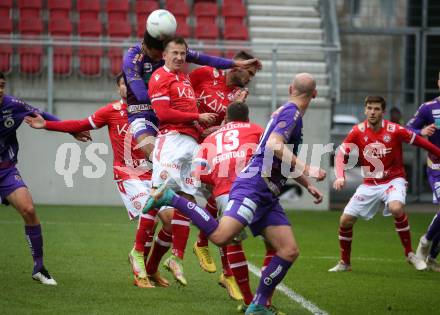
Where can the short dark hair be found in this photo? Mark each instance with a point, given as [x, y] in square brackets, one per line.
[152, 42]
[2, 76]
[118, 78]
[242, 55]
[375, 99]
[237, 111]
[176, 40]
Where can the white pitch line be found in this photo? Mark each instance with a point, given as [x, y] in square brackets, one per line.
[312, 308]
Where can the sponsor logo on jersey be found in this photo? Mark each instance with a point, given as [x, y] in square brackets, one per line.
[365, 138]
[391, 127]
[157, 77]
[191, 205]
[376, 150]
[221, 95]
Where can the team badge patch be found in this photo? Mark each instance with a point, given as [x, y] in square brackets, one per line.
[164, 175]
[9, 122]
[137, 205]
[386, 138]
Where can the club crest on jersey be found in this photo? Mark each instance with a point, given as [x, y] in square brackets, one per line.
[157, 76]
[137, 205]
[387, 138]
[163, 175]
[148, 67]
[9, 122]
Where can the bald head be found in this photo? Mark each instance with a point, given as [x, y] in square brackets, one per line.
[303, 85]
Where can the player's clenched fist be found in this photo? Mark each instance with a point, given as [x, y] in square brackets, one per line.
[339, 183]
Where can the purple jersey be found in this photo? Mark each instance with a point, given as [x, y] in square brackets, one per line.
[137, 69]
[13, 111]
[428, 113]
[287, 122]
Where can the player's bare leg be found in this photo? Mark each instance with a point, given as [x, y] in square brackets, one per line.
[346, 223]
[402, 228]
[21, 200]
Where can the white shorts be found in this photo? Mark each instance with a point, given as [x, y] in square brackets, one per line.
[367, 198]
[172, 159]
[134, 193]
[222, 202]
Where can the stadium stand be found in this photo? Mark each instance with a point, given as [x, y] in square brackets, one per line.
[90, 57]
[30, 9]
[88, 9]
[30, 56]
[5, 8]
[61, 28]
[5, 49]
[59, 9]
[117, 10]
[205, 13]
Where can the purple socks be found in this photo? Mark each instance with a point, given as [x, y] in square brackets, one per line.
[35, 240]
[199, 217]
[270, 278]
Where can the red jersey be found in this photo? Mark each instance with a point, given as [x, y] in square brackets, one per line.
[114, 116]
[226, 152]
[173, 100]
[380, 153]
[212, 93]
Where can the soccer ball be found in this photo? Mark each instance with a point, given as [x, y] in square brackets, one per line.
[161, 24]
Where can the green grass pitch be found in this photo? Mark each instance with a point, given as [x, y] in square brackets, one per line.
[86, 251]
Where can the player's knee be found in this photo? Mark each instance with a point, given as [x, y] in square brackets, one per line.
[346, 221]
[28, 213]
[290, 253]
[396, 209]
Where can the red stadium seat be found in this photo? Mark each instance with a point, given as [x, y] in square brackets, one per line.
[178, 7]
[5, 8]
[234, 14]
[206, 31]
[119, 29]
[115, 56]
[88, 9]
[5, 25]
[30, 26]
[60, 27]
[235, 32]
[143, 8]
[62, 60]
[90, 61]
[59, 9]
[233, 2]
[5, 58]
[205, 12]
[62, 55]
[117, 10]
[183, 29]
[30, 59]
[140, 29]
[30, 8]
[89, 28]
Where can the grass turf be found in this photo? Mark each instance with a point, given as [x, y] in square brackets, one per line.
[86, 251]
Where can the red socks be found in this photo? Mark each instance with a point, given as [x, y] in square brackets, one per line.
[161, 246]
[180, 227]
[239, 267]
[145, 230]
[224, 258]
[345, 238]
[402, 228]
